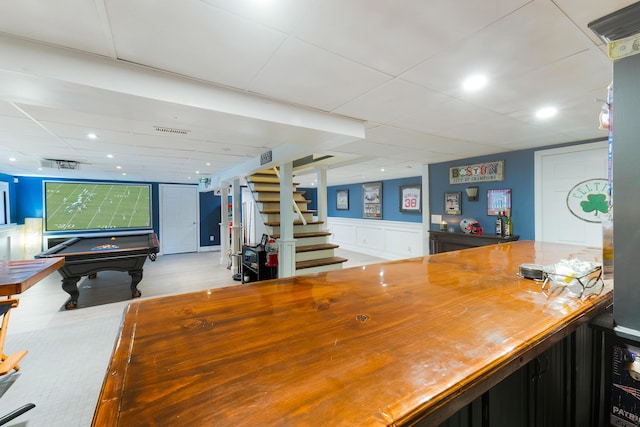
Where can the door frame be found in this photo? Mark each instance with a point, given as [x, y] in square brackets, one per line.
[161, 224]
[537, 180]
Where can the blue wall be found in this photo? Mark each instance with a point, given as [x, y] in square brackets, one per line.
[209, 218]
[311, 194]
[390, 201]
[518, 176]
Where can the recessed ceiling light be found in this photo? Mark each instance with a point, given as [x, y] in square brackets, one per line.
[92, 136]
[474, 82]
[12, 159]
[39, 169]
[118, 167]
[208, 163]
[381, 169]
[124, 174]
[110, 156]
[546, 112]
[198, 172]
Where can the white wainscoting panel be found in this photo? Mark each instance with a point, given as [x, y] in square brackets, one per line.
[384, 239]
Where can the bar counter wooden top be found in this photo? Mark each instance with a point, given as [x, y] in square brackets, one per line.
[18, 276]
[383, 344]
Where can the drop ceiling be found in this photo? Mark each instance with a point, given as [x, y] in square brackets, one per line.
[375, 84]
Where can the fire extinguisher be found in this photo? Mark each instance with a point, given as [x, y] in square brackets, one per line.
[272, 251]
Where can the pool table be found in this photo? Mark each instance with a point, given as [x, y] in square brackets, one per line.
[86, 256]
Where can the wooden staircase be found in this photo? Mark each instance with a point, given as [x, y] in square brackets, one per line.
[313, 251]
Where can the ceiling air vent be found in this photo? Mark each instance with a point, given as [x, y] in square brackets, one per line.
[171, 130]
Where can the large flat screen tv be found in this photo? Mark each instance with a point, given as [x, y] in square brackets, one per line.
[81, 206]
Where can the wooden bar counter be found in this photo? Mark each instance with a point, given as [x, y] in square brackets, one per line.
[393, 343]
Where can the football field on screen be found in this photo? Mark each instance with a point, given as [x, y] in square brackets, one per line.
[90, 206]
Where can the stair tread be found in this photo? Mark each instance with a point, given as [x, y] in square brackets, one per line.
[296, 222]
[308, 234]
[320, 262]
[276, 190]
[278, 201]
[265, 179]
[311, 248]
[277, 211]
[269, 171]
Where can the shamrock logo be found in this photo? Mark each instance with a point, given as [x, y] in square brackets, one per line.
[595, 202]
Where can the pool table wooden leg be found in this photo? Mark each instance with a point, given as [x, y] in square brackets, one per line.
[136, 277]
[70, 286]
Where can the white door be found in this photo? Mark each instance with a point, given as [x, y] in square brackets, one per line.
[564, 176]
[179, 219]
[5, 214]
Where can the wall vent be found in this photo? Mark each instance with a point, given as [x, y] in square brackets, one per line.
[171, 130]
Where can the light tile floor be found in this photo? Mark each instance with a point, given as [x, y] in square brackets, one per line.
[69, 350]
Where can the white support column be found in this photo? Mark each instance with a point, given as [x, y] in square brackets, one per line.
[236, 230]
[322, 194]
[426, 213]
[225, 243]
[286, 243]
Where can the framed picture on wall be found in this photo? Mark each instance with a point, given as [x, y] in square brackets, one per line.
[453, 203]
[411, 198]
[372, 200]
[342, 200]
[498, 201]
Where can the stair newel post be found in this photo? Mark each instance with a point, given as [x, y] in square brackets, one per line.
[322, 194]
[286, 243]
[236, 229]
[225, 242]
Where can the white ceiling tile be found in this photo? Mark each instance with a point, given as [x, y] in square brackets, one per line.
[395, 36]
[283, 15]
[192, 38]
[553, 84]
[77, 24]
[511, 47]
[392, 100]
[15, 126]
[307, 75]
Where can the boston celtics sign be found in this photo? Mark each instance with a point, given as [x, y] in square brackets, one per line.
[589, 200]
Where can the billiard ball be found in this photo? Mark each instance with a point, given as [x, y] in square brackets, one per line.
[113, 238]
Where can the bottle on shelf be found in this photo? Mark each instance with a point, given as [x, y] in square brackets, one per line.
[499, 225]
[508, 224]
